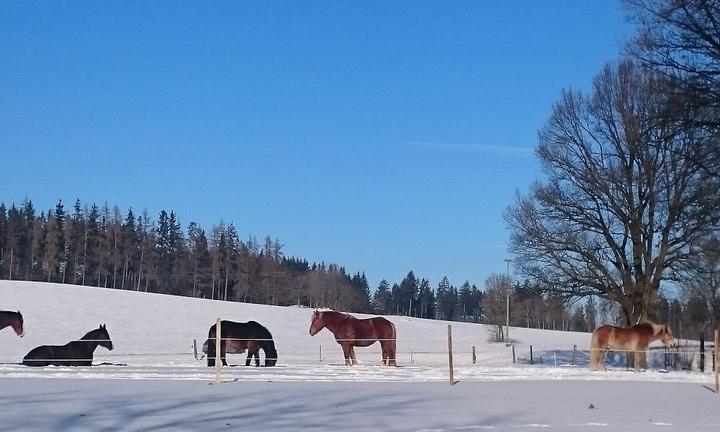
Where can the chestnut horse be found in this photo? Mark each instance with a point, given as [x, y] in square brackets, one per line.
[75, 353]
[14, 319]
[635, 339]
[351, 332]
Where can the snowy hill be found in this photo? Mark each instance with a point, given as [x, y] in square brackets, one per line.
[153, 337]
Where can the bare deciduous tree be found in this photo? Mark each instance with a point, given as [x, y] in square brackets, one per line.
[680, 39]
[623, 200]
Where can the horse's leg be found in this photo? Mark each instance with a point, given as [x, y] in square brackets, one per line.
[392, 353]
[388, 352]
[352, 355]
[596, 354]
[346, 353]
[248, 359]
[223, 352]
[603, 353]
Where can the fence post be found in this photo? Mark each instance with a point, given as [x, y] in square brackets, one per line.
[513, 351]
[702, 352]
[450, 357]
[713, 358]
[218, 353]
[195, 348]
[717, 366]
[474, 357]
[574, 355]
[531, 357]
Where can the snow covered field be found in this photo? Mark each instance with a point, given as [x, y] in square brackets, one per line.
[151, 380]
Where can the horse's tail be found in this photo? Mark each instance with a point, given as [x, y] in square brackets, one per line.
[598, 347]
[391, 351]
[594, 350]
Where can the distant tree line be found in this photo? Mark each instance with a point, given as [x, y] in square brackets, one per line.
[98, 246]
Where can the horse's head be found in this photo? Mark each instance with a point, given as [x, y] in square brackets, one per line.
[666, 336]
[316, 323]
[17, 325]
[103, 337]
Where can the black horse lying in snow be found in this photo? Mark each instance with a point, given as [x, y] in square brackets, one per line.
[75, 353]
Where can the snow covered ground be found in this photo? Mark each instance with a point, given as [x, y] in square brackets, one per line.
[152, 381]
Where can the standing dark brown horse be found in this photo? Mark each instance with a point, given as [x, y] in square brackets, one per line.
[635, 339]
[237, 337]
[351, 332]
[14, 319]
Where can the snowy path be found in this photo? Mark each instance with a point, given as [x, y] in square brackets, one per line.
[116, 405]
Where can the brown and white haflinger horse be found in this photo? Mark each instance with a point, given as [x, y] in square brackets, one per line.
[351, 332]
[635, 339]
[13, 319]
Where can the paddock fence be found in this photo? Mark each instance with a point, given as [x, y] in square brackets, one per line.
[442, 360]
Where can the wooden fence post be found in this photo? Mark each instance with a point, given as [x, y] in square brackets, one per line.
[450, 357]
[702, 352]
[474, 357]
[531, 357]
[195, 348]
[717, 366]
[218, 359]
[574, 355]
[513, 351]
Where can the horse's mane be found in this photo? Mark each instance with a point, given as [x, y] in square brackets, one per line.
[92, 334]
[12, 314]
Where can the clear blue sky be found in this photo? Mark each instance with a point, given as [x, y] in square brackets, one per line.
[384, 136]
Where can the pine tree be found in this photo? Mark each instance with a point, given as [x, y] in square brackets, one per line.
[62, 252]
[426, 300]
[13, 239]
[75, 236]
[52, 249]
[91, 246]
[3, 240]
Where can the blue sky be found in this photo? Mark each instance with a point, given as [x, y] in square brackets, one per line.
[384, 136]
